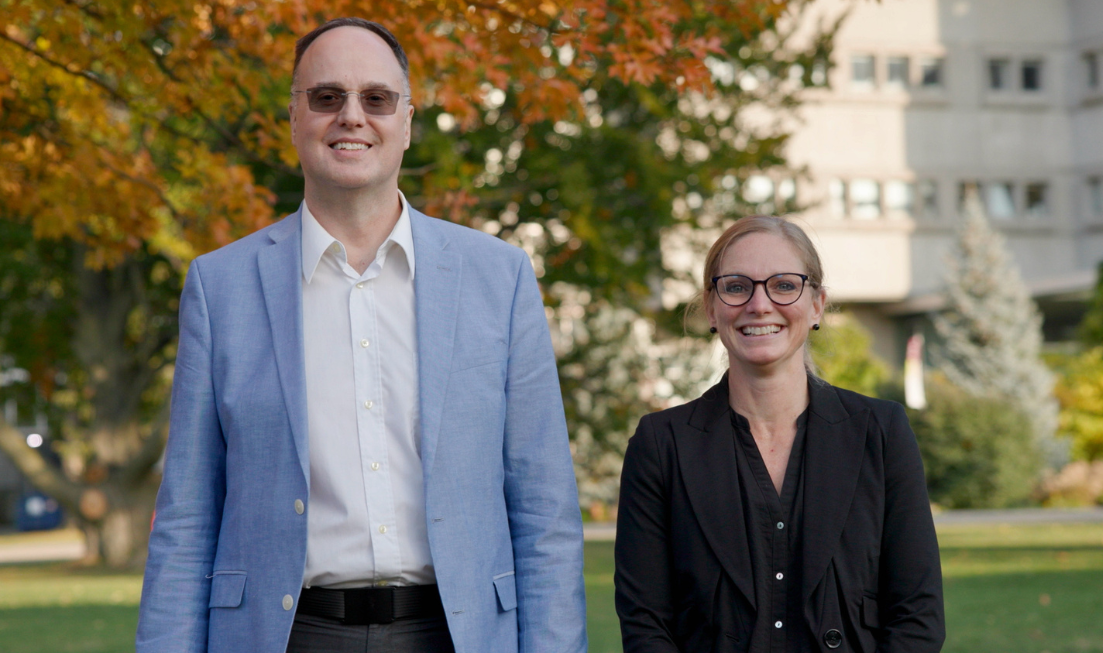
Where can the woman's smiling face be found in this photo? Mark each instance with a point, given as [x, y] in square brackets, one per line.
[760, 335]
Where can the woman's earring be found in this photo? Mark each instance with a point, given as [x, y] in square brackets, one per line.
[713, 329]
[816, 327]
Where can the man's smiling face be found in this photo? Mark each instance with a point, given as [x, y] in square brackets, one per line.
[350, 149]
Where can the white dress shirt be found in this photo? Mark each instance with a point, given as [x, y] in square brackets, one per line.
[366, 519]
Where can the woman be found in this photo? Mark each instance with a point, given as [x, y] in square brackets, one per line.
[776, 512]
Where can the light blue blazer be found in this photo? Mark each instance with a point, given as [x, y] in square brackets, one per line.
[228, 548]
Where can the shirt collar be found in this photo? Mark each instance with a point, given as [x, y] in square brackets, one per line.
[316, 240]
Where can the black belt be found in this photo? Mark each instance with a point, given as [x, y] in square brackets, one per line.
[372, 605]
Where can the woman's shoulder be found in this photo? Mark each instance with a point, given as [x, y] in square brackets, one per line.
[713, 399]
[884, 410]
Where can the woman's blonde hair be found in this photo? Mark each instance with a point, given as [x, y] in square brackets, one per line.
[762, 224]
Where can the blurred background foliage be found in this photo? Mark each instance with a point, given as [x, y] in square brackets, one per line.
[843, 354]
[607, 139]
[612, 141]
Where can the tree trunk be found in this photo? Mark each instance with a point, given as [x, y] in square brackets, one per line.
[124, 530]
[114, 513]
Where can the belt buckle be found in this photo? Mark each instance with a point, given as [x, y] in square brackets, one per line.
[370, 606]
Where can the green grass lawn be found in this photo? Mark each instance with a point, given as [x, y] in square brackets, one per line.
[1008, 589]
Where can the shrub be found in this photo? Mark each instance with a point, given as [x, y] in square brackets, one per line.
[1080, 393]
[844, 356]
[978, 452]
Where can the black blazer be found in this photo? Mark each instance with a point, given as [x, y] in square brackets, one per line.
[871, 569]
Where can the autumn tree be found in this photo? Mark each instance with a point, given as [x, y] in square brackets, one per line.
[134, 137]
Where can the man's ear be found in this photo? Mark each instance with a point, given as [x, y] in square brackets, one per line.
[409, 125]
[291, 116]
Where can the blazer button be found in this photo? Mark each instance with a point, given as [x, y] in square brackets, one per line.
[299, 507]
[288, 602]
[833, 638]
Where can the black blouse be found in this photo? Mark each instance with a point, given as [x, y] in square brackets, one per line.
[773, 525]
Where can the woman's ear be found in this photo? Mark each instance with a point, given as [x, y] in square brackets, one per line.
[819, 302]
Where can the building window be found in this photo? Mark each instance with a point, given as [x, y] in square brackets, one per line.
[836, 191]
[1037, 199]
[999, 200]
[900, 197]
[930, 72]
[861, 70]
[999, 74]
[1095, 196]
[865, 199]
[1091, 68]
[898, 72]
[1032, 75]
[927, 191]
[964, 190]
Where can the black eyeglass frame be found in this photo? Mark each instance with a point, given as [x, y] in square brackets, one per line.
[381, 110]
[754, 286]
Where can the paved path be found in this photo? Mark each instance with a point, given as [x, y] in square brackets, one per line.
[47, 546]
[607, 531]
[1021, 516]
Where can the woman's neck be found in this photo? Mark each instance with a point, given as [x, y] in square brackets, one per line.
[769, 400]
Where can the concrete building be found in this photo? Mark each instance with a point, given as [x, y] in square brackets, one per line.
[926, 97]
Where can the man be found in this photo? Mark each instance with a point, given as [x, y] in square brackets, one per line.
[367, 449]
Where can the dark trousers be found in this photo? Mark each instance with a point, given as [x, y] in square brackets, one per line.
[312, 634]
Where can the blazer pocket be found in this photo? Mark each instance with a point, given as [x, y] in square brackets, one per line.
[464, 365]
[227, 588]
[506, 587]
[871, 618]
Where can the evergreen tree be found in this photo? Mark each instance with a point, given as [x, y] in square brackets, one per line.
[991, 330]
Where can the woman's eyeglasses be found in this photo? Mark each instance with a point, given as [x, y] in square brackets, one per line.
[782, 289]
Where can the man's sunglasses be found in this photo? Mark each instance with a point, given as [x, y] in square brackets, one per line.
[330, 99]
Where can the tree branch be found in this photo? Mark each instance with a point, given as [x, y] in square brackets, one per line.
[502, 11]
[235, 142]
[83, 74]
[420, 171]
[41, 475]
[85, 8]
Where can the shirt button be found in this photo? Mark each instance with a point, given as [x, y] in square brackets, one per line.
[780, 575]
[335, 248]
[382, 529]
[288, 602]
[360, 285]
[777, 624]
[368, 404]
[780, 525]
[375, 467]
[299, 507]
[380, 583]
[364, 342]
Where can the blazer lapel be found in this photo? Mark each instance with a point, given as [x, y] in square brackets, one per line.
[833, 454]
[437, 297]
[706, 458]
[281, 267]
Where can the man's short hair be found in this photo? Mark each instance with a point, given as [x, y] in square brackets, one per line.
[303, 43]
